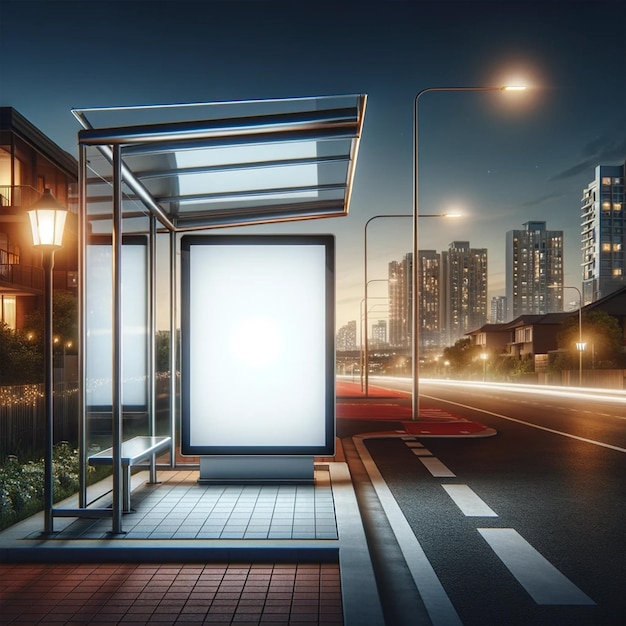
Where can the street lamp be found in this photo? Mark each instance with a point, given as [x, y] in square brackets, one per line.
[484, 356]
[366, 282]
[580, 344]
[47, 221]
[415, 281]
[364, 322]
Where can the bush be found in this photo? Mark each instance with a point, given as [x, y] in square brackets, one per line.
[21, 485]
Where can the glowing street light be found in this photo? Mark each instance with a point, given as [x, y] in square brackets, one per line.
[47, 221]
[415, 278]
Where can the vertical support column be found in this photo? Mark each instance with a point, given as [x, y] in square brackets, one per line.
[415, 317]
[173, 345]
[116, 400]
[82, 256]
[48, 491]
[152, 340]
[364, 322]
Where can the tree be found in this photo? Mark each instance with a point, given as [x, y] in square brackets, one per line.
[64, 321]
[21, 360]
[603, 338]
[463, 358]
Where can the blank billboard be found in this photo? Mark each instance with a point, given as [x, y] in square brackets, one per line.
[257, 373]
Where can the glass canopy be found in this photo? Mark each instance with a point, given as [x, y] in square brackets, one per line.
[208, 165]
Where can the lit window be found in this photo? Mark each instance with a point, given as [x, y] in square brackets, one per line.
[617, 206]
[606, 247]
[606, 180]
[617, 271]
[9, 311]
[606, 205]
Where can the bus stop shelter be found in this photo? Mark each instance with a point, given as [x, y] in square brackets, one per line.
[147, 176]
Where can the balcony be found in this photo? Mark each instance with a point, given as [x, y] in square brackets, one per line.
[18, 196]
[22, 196]
[20, 278]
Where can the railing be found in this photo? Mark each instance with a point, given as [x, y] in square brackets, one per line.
[18, 195]
[22, 418]
[22, 275]
[23, 196]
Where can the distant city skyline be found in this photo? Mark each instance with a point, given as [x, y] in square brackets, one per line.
[501, 158]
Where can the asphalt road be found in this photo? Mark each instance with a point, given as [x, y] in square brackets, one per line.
[527, 527]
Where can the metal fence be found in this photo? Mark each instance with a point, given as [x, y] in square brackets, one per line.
[22, 418]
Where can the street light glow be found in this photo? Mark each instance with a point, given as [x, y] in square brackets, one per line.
[513, 88]
[47, 221]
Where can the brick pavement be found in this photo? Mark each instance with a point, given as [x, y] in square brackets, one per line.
[139, 594]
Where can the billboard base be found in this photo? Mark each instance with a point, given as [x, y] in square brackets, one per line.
[256, 469]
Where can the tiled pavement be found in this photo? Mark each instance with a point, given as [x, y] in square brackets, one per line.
[180, 508]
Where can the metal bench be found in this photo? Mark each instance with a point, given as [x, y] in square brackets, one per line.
[133, 452]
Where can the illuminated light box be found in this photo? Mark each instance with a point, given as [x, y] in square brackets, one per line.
[258, 356]
[99, 323]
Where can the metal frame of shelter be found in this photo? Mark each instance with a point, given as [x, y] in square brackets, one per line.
[190, 167]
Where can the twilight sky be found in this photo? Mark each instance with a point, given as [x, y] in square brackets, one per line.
[500, 158]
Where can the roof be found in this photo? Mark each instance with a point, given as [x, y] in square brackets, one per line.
[208, 165]
[524, 320]
[12, 121]
[547, 318]
[613, 304]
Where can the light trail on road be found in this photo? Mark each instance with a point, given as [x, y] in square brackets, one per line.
[525, 423]
[589, 395]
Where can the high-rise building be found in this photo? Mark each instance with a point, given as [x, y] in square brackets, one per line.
[399, 274]
[401, 300]
[452, 295]
[429, 281]
[534, 270]
[604, 233]
[346, 337]
[464, 288]
[379, 333]
[498, 310]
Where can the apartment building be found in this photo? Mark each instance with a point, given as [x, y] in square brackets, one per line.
[464, 289]
[30, 163]
[534, 270]
[603, 233]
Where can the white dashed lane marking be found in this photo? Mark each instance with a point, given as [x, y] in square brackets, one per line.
[421, 452]
[431, 463]
[543, 582]
[436, 467]
[470, 504]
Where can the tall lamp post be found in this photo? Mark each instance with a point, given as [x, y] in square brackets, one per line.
[367, 282]
[47, 221]
[364, 341]
[415, 278]
[483, 357]
[580, 344]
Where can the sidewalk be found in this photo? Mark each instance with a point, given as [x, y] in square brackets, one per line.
[220, 554]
